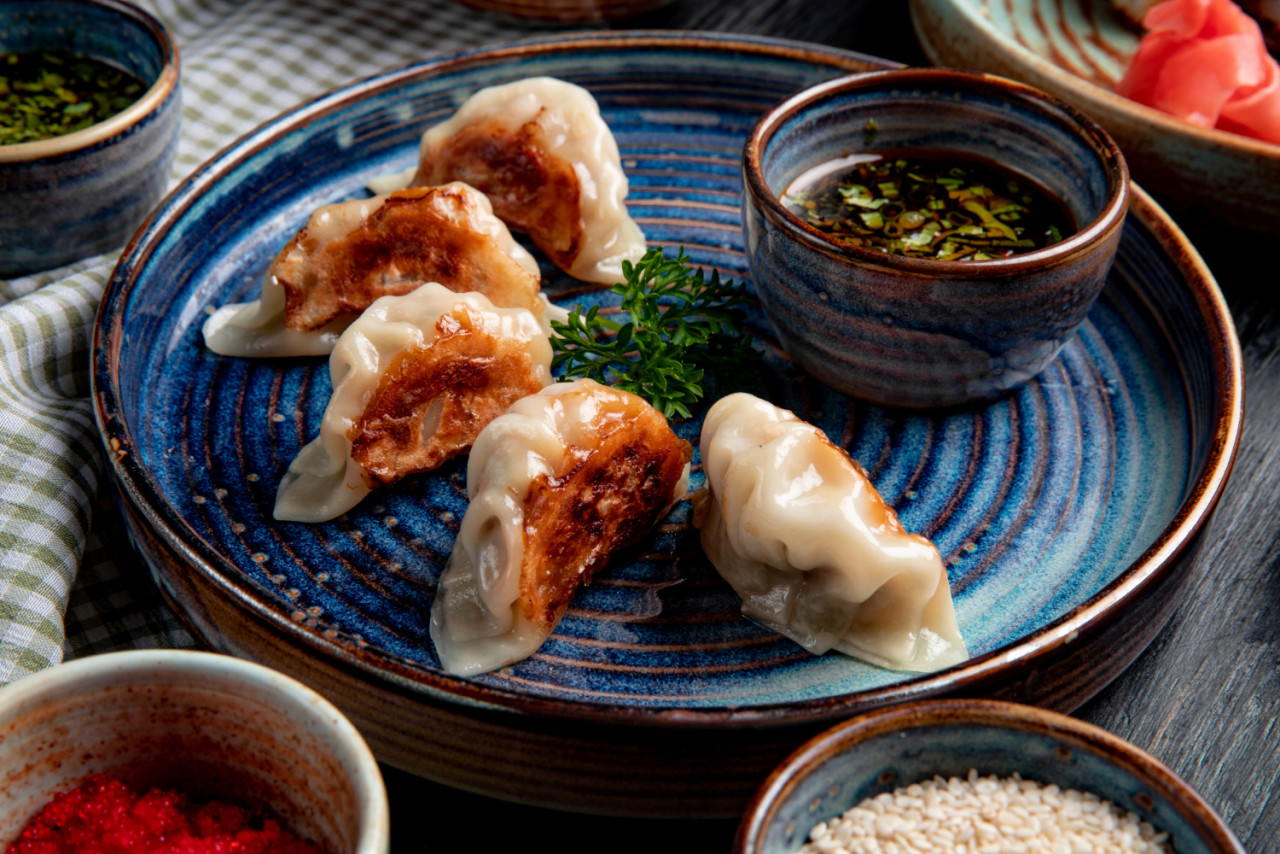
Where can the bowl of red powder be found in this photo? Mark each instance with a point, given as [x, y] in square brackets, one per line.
[163, 751]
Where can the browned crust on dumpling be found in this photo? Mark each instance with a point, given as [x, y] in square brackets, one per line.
[467, 375]
[612, 495]
[879, 515]
[418, 235]
[530, 189]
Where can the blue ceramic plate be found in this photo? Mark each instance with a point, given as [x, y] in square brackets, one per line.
[1056, 510]
[1078, 50]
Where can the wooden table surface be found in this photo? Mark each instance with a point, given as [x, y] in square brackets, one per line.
[1204, 698]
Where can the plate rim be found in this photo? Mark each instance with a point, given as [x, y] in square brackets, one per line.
[1093, 615]
[1087, 89]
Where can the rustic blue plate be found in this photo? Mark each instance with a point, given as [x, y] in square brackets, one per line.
[1059, 511]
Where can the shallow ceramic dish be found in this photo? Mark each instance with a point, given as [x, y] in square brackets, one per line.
[77, 195]
[888, 749]
[1078, 49]
[212, 726]
[917, 331]
[1062, 511]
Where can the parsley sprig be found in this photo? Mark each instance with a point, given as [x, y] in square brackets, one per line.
[682, 328]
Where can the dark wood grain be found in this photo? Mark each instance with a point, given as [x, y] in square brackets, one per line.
[1204, 698]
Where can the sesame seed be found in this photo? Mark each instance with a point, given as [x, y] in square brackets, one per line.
[976, 814]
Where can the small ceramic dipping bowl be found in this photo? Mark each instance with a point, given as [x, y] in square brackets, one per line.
[922, 332]
[209, 725]
[69, 197]
[892, 748]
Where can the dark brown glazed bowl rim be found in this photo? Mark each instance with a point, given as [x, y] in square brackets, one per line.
[139, 488]
[151, 101]
[924, 714]
[1111, 159]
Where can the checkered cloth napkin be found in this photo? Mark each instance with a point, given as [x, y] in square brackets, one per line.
[69, 584]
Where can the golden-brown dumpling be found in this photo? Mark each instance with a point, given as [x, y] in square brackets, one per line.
[415, 379]
[549, 164]
[351, 253]
[557, 484]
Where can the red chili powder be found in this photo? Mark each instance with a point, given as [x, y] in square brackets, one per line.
[103, 816]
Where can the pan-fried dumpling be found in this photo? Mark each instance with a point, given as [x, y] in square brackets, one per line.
[541, 152]
[796, 528]
[351, 253]
[557, 484]
[415, 379]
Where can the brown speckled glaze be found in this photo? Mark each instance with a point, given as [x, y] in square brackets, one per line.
[208, 725]
[884, 750]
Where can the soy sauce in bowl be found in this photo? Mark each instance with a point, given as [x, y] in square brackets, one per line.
[928, 204]
[933, 329]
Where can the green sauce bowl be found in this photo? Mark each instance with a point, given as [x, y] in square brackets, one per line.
[84, 193]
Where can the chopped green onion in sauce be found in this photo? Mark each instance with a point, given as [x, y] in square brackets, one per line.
[50, 93]
[926, 204]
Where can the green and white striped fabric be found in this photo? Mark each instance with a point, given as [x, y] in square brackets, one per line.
[243, 62]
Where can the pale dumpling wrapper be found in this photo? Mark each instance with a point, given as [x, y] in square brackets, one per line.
[561, 123]
[796, 528]
[260, 328]
[325, 480]
[483, 617]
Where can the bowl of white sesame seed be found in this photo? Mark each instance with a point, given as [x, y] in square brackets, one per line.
[972, 776]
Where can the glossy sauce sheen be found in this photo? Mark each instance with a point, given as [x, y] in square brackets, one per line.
[928, 204]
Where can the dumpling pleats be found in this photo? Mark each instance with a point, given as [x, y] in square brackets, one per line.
[540, 150]
[796, 528]
[351, 253]
[557, 485]
[415, 380]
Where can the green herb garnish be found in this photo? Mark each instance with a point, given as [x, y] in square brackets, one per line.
[939, 206]
[682, 328]
[50, 93]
